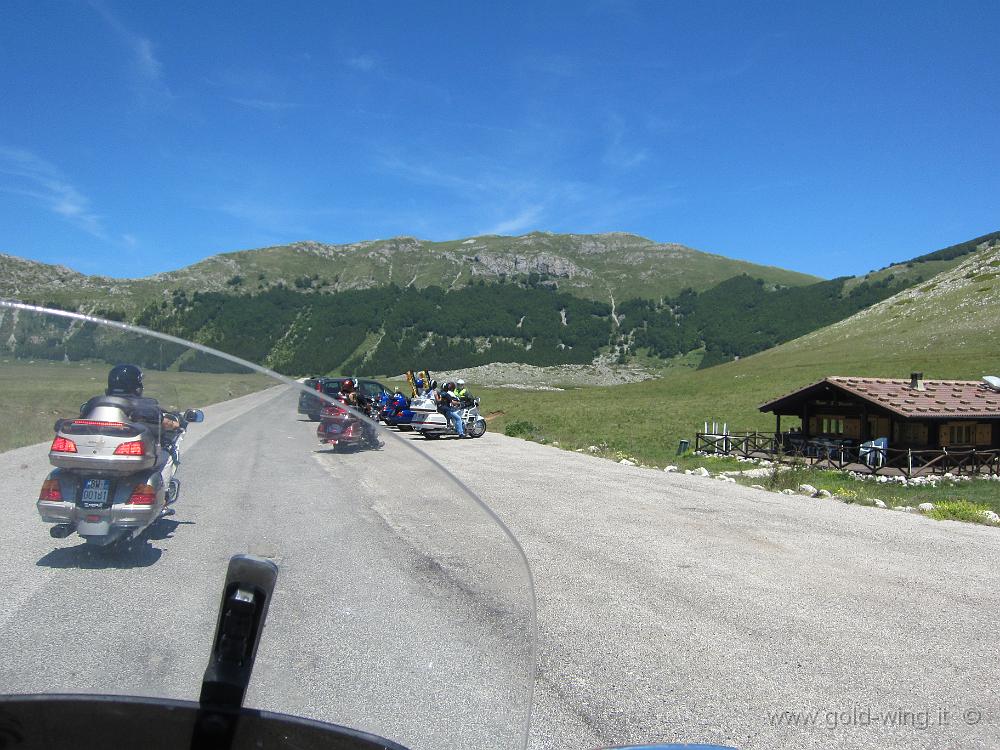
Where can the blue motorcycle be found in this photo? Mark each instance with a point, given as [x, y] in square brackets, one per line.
[396, 412]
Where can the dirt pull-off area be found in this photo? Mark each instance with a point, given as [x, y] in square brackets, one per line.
[531, 377]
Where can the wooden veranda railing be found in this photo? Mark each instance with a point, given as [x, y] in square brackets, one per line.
[827, 454]
[745, 444]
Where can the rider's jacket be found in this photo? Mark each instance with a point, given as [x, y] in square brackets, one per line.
[141, 408]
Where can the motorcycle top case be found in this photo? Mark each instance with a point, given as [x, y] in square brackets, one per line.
[103, 442]
[421, 404]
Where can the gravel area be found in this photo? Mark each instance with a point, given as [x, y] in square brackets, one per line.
[681, 608]
[602, 371]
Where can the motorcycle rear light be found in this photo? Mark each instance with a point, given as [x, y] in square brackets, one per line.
[144, 494]
[132, 448]
[50, 491]
[93, 423]
[93, 518]
[63, 445]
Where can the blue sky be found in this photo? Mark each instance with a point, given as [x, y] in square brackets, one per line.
[830, 138]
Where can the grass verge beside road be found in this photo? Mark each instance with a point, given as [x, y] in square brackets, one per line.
[33, 395]
[955, 500]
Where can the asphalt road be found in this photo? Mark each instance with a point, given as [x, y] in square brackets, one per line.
[383, 618]
[677, 608]
[669, 607]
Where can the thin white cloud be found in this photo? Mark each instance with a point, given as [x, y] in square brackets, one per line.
[264, 105]
[526, 219]
[520, 200]
[264, 215]
[557, 66]
[364, 63]
[23, 173]
[427, 174]
[146, 66]
[618, 153]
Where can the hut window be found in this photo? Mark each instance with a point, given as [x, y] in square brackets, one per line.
[832, 425]
[962, 434]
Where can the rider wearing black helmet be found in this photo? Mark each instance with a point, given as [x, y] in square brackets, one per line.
[126, 381]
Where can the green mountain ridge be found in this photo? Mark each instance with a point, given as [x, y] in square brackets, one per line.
[531, 319]
[606, 267]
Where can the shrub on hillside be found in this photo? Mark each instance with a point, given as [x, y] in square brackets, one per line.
[958, 510]
[787, 476]
[521, 428]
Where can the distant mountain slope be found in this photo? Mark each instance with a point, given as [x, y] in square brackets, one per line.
[945, 328]
[388, 329]
[950, 321]
[599, 267]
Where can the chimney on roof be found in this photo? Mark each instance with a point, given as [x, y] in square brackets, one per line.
[917, 381]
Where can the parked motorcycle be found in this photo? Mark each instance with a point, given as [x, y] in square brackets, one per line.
[341, 427]
[432, 423]
[113, 478]
[397, 413]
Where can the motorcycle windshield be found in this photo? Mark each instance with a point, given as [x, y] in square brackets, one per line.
[403, 606]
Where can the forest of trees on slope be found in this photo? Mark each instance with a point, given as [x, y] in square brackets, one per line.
[387, 330]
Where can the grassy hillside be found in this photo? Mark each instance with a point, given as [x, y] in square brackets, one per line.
[33, 396]
[925, 266]
[944, 328]
[591, 266]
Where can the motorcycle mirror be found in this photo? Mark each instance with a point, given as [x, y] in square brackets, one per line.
[245, 600]
[194, 415]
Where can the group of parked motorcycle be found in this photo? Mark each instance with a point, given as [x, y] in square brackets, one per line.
[424, 411]
[343, 427]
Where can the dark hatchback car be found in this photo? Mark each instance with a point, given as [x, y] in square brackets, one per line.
[311, 405]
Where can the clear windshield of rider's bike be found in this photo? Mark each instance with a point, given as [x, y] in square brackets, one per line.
[402, 607]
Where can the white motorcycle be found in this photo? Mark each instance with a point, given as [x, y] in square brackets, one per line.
[432, 423]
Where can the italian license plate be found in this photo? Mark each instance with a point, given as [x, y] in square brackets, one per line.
[95, 491]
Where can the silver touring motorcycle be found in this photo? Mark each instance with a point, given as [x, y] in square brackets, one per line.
[293, 598]
[115, 475]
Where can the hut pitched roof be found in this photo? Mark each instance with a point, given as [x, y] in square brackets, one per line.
[936, 399]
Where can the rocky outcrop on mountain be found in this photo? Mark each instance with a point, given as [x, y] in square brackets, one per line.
[495, 264]
[18, 272]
